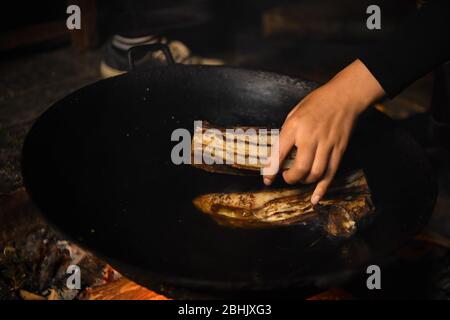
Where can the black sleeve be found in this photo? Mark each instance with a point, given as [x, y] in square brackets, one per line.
[416, 48]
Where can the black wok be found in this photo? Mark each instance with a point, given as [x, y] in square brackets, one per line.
[98, 165]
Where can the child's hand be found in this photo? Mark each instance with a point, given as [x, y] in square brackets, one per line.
[321, 124]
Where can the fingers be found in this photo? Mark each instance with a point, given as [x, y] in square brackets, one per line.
[322, 185]
[302, 165]
[319, 166]
[285, 143]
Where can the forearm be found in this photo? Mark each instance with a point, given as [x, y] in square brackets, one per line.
[356, 86]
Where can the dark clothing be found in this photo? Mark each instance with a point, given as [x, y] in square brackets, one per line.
[416, 48]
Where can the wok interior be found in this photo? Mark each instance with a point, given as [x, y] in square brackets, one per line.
[98, 166]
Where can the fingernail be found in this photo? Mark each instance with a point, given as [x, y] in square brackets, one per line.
[315, 199]
[267, 181]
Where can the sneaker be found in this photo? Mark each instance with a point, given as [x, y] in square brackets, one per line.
[115, 55]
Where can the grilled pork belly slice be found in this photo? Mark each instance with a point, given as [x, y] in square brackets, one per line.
[243, 148]
[347, 202]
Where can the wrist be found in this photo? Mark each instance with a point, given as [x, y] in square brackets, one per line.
[357, 86]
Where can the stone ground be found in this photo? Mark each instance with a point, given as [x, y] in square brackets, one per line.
[28, 86]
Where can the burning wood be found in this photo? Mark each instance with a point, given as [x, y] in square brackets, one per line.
[34, 259]
[121, 289]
